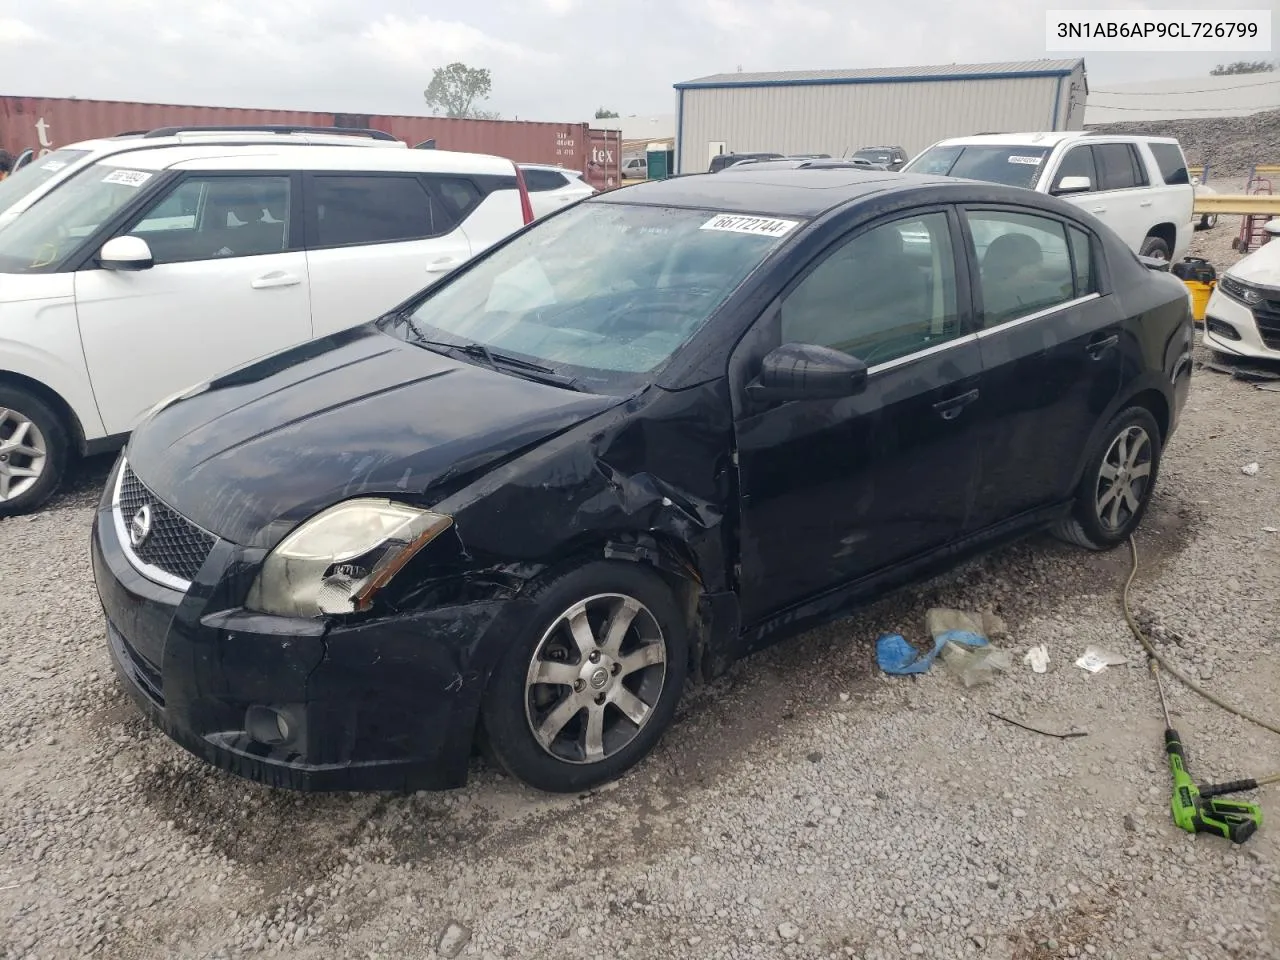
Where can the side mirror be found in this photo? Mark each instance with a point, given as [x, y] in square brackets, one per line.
[126, 253]
[805, 371]
[1073, 185]
[1272, 226]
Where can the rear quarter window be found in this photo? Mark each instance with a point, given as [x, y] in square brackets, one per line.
[1172, 164]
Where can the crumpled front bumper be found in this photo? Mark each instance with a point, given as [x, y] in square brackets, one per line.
[385, 704]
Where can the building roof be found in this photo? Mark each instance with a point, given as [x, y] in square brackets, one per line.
[949, 71]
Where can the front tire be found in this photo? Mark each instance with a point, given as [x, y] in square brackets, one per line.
[1117, 484]
[590, 685]
[33, 451]
[1155, 247]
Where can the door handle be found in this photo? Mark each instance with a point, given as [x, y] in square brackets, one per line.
[442, 265]
[277, 278]
[1145, 203]
[952, 408]
[1101, 345]
[1099, 210]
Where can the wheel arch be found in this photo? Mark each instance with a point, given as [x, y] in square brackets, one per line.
[64, 410]
[1167, 232]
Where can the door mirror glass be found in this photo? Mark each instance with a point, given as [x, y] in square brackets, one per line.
[806, 371]
[1074, 185]
[126, 253]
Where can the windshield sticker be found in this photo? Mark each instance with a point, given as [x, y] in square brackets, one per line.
[53, 165]
[130, 178]
[1033, 161]
[758, 226]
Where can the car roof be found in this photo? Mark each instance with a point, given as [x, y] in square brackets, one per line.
[796, 163]
[788, 193]
[1042, 138]
[282, 156]
[130, 142]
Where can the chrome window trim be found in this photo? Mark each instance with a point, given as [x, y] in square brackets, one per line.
[975, 337]
[1037, 315]
[122, 535]
[921, 354]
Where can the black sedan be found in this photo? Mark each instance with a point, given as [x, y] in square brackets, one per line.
[639, 439]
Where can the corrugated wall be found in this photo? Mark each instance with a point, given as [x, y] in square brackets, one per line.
[837, 118]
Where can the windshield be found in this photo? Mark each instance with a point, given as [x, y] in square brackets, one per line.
[14, 188]
[53, 228]
[604, 293]
[1014, 166]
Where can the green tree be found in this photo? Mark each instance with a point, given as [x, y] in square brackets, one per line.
[604, 113]
[1242, 66]
[456, 89]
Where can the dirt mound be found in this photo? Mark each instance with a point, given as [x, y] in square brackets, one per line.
[1228, 145]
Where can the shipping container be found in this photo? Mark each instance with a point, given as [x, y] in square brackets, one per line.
[45, 123]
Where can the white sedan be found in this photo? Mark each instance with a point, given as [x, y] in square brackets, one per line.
[551, 188]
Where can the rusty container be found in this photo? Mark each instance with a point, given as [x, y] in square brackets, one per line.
[604, 159]
[46, 123]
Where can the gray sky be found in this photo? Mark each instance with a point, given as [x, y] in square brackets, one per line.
[550, 59]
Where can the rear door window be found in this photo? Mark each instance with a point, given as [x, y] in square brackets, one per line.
[1023, 264]
[346, 210]
[1119, 167]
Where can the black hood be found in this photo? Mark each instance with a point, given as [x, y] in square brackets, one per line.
[357, 413]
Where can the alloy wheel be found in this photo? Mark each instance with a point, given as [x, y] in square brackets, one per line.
[595, 678]
[1123, 478]
[23, 452]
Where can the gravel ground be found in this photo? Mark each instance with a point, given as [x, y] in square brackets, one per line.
[803, 806]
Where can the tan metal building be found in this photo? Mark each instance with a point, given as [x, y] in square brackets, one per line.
[838, 111]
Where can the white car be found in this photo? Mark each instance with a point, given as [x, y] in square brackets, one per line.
[43, 174]
[1138, 186]
[551, 188]
[1242, 318]
[151, 271]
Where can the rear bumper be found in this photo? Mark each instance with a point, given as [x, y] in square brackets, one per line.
[387, 704]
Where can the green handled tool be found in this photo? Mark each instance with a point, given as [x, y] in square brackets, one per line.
[1192, 810]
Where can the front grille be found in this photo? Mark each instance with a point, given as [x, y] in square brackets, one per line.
[174, 545]
[1267, 316]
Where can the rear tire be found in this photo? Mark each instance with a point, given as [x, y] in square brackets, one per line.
[598, 699]
[1208, 221]
[33, 451]
[1155, 247]
[1117, 484]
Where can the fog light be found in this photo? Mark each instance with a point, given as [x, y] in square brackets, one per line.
[1220, 328]
[267, 725]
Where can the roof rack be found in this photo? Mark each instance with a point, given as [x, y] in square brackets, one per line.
[264, 128]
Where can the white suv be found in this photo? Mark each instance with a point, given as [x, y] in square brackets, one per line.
[44, 174]
[151, 271]
[1138, 186]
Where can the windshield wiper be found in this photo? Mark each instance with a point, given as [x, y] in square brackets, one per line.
[498, 361]
[405, 317]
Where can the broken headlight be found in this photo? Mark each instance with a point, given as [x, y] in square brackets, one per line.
[339, 559]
